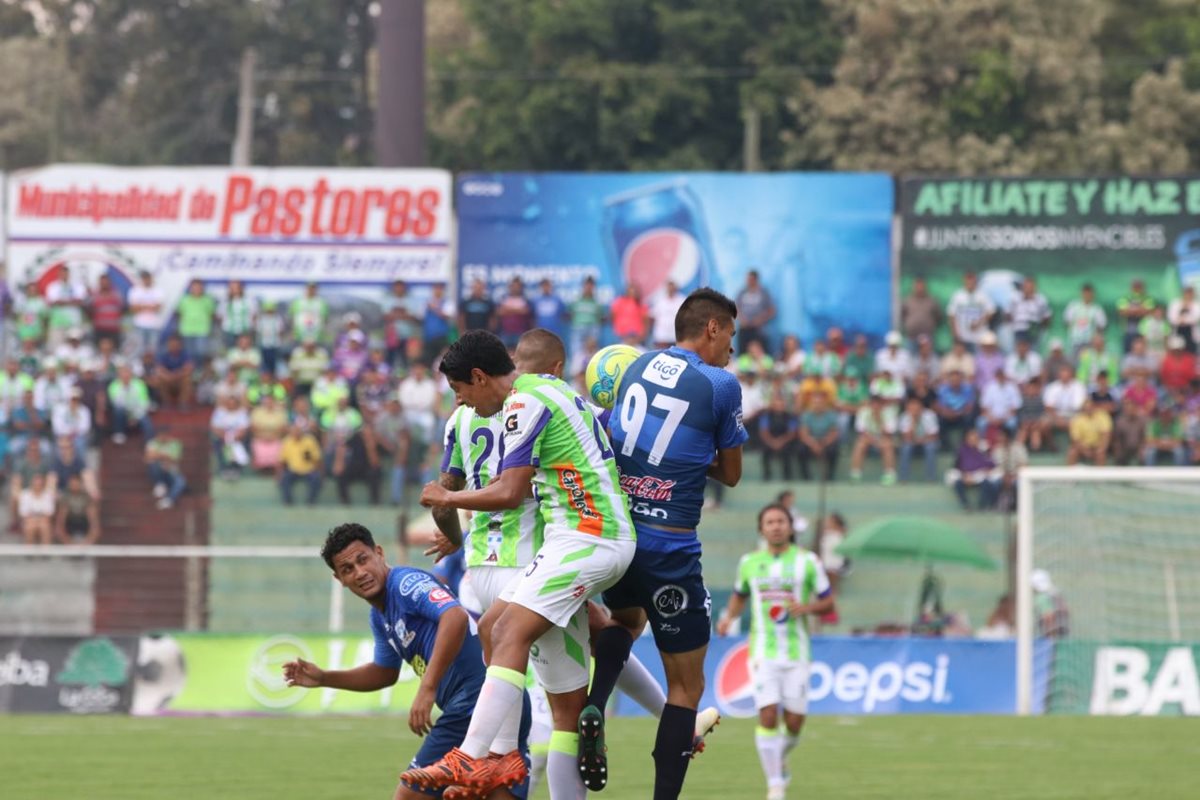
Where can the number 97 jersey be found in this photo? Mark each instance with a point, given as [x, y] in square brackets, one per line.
[673, 412]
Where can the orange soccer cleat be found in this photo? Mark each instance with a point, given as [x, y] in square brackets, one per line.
[456, 768]
[509, 770]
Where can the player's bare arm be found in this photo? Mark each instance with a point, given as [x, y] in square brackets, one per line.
[452, 630]
[822, 605]
[446, 518]
[506, 492]
[364, 678]
[728, 467]
[737, 604]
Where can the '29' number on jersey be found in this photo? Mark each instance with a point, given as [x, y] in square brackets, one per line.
[633, 417]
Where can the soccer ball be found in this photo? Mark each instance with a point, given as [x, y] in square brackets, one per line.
[604, 372]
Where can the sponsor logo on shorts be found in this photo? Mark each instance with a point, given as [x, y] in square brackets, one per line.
[578, 592]
[670, 600]
[666, 627]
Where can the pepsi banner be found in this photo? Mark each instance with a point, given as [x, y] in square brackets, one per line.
[821, 243]
[860, 675]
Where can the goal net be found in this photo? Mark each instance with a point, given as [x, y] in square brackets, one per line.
[1108, 590]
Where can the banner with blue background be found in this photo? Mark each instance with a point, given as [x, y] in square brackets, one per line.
[820, 242]
[856, 675]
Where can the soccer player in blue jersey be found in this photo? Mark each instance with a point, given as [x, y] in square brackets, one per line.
[677, 421]
[414, 619]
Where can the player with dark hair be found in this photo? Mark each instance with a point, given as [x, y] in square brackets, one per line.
[784, 584]
[552, 439]
[500, 546]
[414, 619]
[476, 351]
[677, 421]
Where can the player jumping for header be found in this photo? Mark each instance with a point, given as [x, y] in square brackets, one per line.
[677, 421]
[552, 439]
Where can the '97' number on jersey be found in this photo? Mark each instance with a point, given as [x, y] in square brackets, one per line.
[633, 417]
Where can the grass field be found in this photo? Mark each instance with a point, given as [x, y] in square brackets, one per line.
[330, 758]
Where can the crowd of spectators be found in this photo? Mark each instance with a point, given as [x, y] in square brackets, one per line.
[1122, 388]
[310, 397]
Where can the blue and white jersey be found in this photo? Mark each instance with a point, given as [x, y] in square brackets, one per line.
[406, 630]
[673, 412]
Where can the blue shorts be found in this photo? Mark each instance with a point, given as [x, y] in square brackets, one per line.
[451, 728]
[665, 580]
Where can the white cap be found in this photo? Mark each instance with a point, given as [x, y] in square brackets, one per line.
[987, 337]
[893, 338]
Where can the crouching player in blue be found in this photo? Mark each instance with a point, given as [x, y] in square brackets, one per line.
[414, 619]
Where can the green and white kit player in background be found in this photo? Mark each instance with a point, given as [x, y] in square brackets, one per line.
[501, 544]
[551, 439]
[784, 585]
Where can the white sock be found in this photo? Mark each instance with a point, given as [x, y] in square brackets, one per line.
[506, 739]
[562, 767]
[770, 753]
[537, 767]
[637, 682]
[502, 689]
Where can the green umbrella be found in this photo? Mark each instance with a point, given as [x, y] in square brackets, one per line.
[920, 538]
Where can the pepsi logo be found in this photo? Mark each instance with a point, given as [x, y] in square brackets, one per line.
[734, 684]
[778, 613]
[659, 255]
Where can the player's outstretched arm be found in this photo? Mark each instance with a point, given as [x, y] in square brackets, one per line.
[504, 493]
[728, 467]
[451, 632]
[365, 678]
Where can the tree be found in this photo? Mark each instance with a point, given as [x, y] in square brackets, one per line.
[623, 84]
[966, 86]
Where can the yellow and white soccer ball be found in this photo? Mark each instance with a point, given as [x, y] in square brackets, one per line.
[604, 372]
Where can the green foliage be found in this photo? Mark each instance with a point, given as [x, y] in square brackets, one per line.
[966, 86]
[623, 84]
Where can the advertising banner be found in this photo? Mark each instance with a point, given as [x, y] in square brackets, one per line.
[67, 675]
[1124, 678]
[856, 675]
[200, 673]
[268, 227]
[1063, 231]
[820, 242]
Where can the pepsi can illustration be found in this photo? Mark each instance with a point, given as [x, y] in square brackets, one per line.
[656, 233]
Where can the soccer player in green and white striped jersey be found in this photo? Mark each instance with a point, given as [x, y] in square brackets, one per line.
[500, 545]
[550, 439]
[784, 584]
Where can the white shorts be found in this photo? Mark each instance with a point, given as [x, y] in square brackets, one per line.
[490, 583]
[570, 568]
[467, 597]
[783, 682]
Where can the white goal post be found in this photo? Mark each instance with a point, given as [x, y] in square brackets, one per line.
[1080, 520]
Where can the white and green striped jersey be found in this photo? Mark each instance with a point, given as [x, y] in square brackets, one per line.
[501, 538]
[772, 583]
[548, 426]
